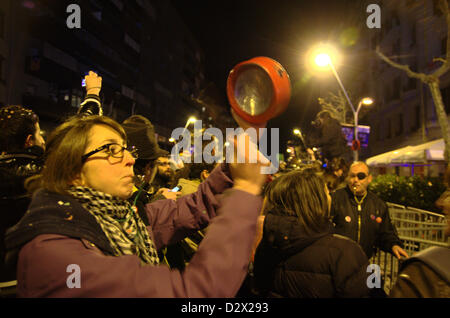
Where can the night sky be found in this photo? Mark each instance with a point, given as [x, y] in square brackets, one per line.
[230, 32]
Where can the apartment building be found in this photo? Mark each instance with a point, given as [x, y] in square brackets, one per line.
[413, 32]
[149, 61]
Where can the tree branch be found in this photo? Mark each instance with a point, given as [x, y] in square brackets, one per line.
[439, 59]
[423, 77]
[444, 68]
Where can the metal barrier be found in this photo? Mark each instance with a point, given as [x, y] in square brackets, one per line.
[418, 229]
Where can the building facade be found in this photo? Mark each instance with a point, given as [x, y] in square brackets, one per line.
[412, 32]
[149, 61]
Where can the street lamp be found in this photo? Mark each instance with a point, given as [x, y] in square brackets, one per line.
[323, 59]
[191, 119]
[364, 101]
[298, 133]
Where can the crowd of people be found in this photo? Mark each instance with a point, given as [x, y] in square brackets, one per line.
[103, 196]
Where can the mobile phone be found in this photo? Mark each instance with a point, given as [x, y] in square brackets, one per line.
[83, 83]
[176, 189]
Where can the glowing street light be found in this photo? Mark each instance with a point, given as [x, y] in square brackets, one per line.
[322, 59]
[191, 119]
[298, 133]
[367, 101]
[364, 101]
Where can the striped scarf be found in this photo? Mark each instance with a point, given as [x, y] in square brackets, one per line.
[124, 229]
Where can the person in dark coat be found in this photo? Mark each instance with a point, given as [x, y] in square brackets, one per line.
[21, 148]
[362, 216]
[21, 157]
[327, 135]
[299, 256]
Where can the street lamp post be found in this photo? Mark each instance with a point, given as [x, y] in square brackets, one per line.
[297, 132]
[364, 101]
[323, 60]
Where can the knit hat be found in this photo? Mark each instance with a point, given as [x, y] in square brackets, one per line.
[141, 134]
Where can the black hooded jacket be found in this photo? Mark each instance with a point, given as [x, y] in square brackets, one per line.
[291, 263]
[375, 228]
[15, 168]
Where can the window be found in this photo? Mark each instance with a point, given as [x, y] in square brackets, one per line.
[387, 93]
[132, 43]
[444, 46]
[388, 25]
[397, 47]
[379, 132]
[413, 34]
[2, 24]
[76, 98]
[118, 4]
[416, 119]
[389, 129]
[395, 19]
[436, 8]
[411, 84]
[396, 88]
[399, 126]
[97, 15]
[30, 89]
[445, 92]
[2, 60]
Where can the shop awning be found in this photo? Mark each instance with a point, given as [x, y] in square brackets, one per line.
[424, 153]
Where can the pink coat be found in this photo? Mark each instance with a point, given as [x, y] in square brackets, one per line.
[216, 270]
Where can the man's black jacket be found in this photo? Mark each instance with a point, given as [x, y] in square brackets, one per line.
[376, 229]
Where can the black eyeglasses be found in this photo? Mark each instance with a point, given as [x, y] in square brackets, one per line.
[360, 175]
[114, 150]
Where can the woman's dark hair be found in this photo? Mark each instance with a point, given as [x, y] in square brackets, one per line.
[16, 124]
[339, 163]
[300, 193]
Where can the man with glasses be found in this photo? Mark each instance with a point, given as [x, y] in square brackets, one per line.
[362, 216]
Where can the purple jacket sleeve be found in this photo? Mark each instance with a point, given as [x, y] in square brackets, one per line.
[171, 221]
[216, 270]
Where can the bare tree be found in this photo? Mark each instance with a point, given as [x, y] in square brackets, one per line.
[339, 108]
[432, 80]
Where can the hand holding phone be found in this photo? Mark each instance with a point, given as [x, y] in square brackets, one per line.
[176, 189]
